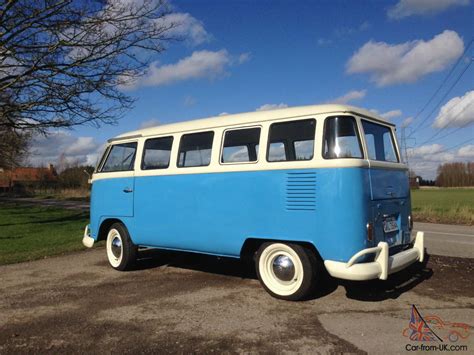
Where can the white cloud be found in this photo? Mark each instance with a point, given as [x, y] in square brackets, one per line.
[61, 145]
[200, 64]
[82, 145]
[425, 160]
[244, 57]
[425, 150]
[406, 62]
[350, 96]
[406, 122]
[391, 114]
[457, 112]
[405, 8]
[223, 114]
[467, 151]
[187, 27]
[150, 123]
[267, 107]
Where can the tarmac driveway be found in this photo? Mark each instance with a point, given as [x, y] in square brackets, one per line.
[182, 303]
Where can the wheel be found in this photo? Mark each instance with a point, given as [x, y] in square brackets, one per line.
[121, 252]
[286, 271]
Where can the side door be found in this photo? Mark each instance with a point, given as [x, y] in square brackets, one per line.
[113, 186]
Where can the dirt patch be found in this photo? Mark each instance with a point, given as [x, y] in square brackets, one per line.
[451, 278]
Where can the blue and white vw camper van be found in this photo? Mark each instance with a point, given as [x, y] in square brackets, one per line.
[299, 189]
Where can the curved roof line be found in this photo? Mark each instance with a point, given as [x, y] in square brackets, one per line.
[248, 118]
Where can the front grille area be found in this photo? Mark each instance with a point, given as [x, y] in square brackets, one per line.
[300, 191]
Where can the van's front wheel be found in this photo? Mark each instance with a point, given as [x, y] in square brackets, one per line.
[121, 252]
[286, 271]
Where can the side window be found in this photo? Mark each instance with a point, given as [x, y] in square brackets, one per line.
[379, 141]
[240, 145]
[195, 149]
[290, 141]
[341, 139]
[120, 158]
[156, 153]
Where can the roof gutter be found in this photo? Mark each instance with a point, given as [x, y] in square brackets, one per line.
[124, 138]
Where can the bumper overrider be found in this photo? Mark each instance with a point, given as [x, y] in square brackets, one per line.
[87, 240]
[383, 265]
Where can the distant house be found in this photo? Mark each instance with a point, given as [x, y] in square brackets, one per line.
[22, 178]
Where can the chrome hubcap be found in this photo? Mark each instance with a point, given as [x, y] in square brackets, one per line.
[283, 268]
[116, 247]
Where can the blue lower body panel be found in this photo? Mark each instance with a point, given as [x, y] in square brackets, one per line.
[216, 213]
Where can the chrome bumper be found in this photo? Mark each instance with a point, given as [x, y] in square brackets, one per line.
[383, 265]
[87, 240]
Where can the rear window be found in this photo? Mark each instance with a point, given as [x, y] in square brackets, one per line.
[290, 141]
[121, 157]
[195, 149]
[379, 141]
[341, 139]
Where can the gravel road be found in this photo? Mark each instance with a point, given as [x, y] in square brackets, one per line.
[182, 303]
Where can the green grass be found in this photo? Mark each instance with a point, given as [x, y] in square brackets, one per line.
[28, 233]
[444, 205]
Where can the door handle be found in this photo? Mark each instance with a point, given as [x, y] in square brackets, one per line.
[127, 190]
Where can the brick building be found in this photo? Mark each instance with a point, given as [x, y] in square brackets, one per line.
[22, 178]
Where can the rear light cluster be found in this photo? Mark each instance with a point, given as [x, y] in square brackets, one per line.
[370, 232]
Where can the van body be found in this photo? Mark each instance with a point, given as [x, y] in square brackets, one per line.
[317, 185]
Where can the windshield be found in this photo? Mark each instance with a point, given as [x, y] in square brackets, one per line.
[380, 142]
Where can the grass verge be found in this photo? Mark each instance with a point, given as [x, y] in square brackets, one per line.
[444, 205]
[30, 232]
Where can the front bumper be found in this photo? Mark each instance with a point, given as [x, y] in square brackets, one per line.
[87, 240]
[383, 264]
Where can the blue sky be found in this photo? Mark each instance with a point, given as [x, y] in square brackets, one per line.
[388, 56]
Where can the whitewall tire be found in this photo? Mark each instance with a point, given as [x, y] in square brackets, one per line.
[286, 271]
[121, 252]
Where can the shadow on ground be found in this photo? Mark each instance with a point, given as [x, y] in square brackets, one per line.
[396, 284]
[39, 219]
[368, 291]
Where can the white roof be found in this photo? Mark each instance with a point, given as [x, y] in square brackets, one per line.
[250, 117]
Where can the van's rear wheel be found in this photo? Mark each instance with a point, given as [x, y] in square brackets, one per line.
[286, 271]
[121, 252]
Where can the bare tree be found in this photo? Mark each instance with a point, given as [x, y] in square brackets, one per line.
[455, 174]
[62, 61]
[13, 147]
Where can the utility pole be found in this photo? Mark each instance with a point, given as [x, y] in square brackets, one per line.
[404, 146]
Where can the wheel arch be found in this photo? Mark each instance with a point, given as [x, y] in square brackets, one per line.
[105, 225]
[251, 246]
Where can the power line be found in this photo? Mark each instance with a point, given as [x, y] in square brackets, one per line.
[444, 81]
[450, 148]
[455, 146]
[442, 99]
[442, 129]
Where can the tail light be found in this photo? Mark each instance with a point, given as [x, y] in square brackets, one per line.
[370, 232]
